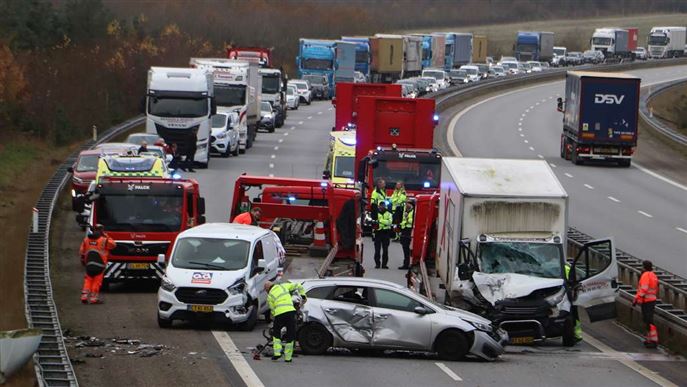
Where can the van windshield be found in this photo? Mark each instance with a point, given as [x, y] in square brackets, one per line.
[211, 253]
[534, 259]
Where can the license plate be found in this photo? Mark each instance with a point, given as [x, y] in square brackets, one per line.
[522, 340]
[138, 266]
[606, 151]
[201, 308]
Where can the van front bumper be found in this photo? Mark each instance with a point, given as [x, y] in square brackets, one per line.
[233, 309]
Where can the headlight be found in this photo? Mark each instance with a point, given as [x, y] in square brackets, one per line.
[480, 326]
[239, 287]
[167, 285]
[77, 180]
[556, 298]
[221, 135]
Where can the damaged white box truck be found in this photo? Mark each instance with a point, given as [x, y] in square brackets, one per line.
[501, 250]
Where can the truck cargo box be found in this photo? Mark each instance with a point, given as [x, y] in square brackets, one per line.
[546, 40]
[348, 93]
[438, 51]
[413, 55]
[387, 53]
[479, 49]
[462, 53]
[632, 38]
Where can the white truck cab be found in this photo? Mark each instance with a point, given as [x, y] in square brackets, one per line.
[217, 271]
[472, 71]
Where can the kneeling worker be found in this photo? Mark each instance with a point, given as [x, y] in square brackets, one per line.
[280, 302]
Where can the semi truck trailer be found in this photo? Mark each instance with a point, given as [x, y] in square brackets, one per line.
[666, 42]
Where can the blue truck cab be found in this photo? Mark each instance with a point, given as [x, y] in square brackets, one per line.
[426, 51]
[317, 57]
[362, 54]
[527, 46]
[600, 117]
[450, 50]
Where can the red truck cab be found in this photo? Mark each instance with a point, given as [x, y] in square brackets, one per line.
[260, 55]
[144, 216]
[347, 97]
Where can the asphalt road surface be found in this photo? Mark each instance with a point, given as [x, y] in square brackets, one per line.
[217, 356]
[646, 213]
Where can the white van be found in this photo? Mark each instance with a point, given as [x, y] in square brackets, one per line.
[472, 72]
[218, 271]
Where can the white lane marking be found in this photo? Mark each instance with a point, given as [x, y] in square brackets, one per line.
[519, 123]
[519, 129]
[292, 128]
[300, 122]
[319, 112]
[331, 108]
[540, 156]
[310, 117]
[526, 142]
[273, 156]
[286, 133]
[569, 175]
[631, 364]
[648, 215]
[237, 360]
[522, 135]
[521, 118]
[589, 186]
[452, 124]
[449, 372]
[681, 229]
[271, 165]
[660, 177]
[552, 165]
[613, 199]
[544, 99]
[532, 148]
[280, 140]
[537, 104]
[527, 110]
[531, 107]
[524, 114]
[276, 148]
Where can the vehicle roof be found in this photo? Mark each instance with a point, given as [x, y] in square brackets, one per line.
[433, 69]
[504, 177]
[89, 152]
[225, 231]
[360, 281]
[178, 78]
[596, 74]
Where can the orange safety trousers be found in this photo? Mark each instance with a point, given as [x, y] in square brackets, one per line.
[91, 287]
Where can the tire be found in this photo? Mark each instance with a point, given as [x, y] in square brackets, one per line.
[573, 156]
[569, 333]
[562, 147]
[163, 322]
[227, 152]
[204, 165]
[452, 345]
[625, 163]
[308, 102]
[270, 130]
[242, 151]
[314, 339]
[249, 324]
[236, 152]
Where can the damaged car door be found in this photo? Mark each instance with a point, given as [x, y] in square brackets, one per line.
[400, 321]
[349, 315]
[594, 277]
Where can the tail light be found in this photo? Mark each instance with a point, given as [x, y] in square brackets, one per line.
[628, 151]
[583, 149]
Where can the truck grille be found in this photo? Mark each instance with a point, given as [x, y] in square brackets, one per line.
[182, 137]
[128, 249]
[206, 296]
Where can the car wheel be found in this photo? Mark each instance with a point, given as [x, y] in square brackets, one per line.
[452, 345]
[271, 129]
[236, 151]
[163, 322]
[308, 102]
[314, 339]
[249, 324]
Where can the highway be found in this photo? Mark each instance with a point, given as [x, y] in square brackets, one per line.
[646, 213]
[212, 355]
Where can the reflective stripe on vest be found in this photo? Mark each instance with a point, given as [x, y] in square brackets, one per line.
[279, 299]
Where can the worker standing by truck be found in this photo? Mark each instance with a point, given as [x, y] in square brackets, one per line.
[406, 232]
[283, 311]
[398, 199]
[251, 217]
[378, 196]
[382, 236]
[647, 290]
[94, 253]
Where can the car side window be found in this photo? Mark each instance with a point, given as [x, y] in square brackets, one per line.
[257, 255]
[322, 292]
[352, 294]
[391, 300]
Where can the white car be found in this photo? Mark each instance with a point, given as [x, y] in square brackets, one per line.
[510, 66]
[535, 66]
[224, 139]
[497, 71]
[439, 75]
[304, 90]
[640, 53]
[472, 71]
[292, 99]
[433, 84]
[218, 271]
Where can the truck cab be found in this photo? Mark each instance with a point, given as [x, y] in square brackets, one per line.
[179, 104]
[362, 53]
[317, 57]
[259, 55]
[527, 46]
[217, 271]
[274, 92]
[666, 42]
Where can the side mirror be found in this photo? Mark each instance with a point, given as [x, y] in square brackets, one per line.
[201, 206]
[142, 105]
[262, 264]
[201, 219]
[326, 175]
[161, 260]
[70, 169]
[421, 310]
[463, 272]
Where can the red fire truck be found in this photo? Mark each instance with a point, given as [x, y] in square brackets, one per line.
[259, 55]
[347, 96]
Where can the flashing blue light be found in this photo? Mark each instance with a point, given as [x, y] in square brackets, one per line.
[291, 198]
[323, 184]
[348, 141]
[436, 118]
[176, 176]
[426, 184]
[388, 203]
[379, 148]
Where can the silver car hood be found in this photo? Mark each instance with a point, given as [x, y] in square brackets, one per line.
[463, 314]
[496, 287]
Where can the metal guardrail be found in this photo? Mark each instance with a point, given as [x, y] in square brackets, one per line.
[673, 289]
[51, 361]
[653, 121]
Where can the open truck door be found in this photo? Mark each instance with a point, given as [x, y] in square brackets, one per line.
[594, 275]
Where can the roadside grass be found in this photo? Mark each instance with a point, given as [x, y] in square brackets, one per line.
[670, 106]
[15, 157]
[571, 33]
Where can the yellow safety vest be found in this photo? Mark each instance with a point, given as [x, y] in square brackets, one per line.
[407, 221]
[398, 198]
[279, 297]
[377, 197]
[384, 220]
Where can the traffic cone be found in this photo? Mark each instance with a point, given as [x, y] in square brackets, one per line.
[652, 337]
[319, 246]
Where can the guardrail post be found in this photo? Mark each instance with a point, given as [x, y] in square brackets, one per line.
[95, 133]
[34, 221]
[651, 112]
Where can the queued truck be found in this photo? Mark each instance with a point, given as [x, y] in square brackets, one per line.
[273, 90]
[534, 45]
[666, 42]
[362, 53]
[479, 49]
[462, 53]
[237, 86]
[260, 55]
[331, 59]
[615, 42]
[500, 250]
[395, 57]
[179, 105]
[600, 117]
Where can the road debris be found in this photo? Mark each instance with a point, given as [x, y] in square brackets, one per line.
[116, 346]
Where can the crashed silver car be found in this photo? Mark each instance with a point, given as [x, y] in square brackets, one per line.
[359, 313]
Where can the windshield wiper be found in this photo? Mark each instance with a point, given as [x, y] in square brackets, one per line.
[210, 265]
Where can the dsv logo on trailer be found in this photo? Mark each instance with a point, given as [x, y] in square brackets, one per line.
[610, 99]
